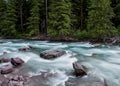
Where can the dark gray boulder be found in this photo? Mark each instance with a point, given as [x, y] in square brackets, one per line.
[16, 61]
[2, 42]
[7, 69]
[79, 69]
[90, 80]
[4, 60]
[52, 54]
[25, 48]
[105, 83]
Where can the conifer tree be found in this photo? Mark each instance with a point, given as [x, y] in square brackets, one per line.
[59, 17]
[79, 13]
[34, 19]
[99, 15]
[116, 8]
[2, 14]
[10, 19]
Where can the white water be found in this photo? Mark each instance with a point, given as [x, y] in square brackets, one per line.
[103, 60]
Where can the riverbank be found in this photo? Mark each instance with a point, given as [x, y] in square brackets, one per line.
[112, 40]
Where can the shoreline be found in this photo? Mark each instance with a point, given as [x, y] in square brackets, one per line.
[112, 40]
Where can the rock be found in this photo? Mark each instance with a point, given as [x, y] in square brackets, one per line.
[51, 54]
[4, 53]
[113, 40]
[79, 69]
[4, 60]
[7, 69]
[2, 42]
[16, 61]
[44, 79]
[84, 81]
[5, 83]
[25, 48]
[105, 83]
[13, 80]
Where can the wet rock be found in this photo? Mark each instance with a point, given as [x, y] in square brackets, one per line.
[5, 83]
[4, 60]
[7, 69]
[13, 80]
[16, 61]
[79, 69]
[105, 83]
[2, 42]
[113, 40]
[51, 54]
[44, 79]
[25, 48]
[4, 53]
[84, 81]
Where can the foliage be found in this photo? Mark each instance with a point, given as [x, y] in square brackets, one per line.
[33, 24]
[82, 19]
[59, 16]
[2, 14]
[99, 16]
[10, 20]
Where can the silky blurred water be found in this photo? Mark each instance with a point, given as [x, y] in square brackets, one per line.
[102, 60]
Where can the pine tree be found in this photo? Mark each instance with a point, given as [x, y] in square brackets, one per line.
[10, 19]
[34, 19]
[59, 17]
[99, 15]
[2, 15]
[116, 8]
[79, 13]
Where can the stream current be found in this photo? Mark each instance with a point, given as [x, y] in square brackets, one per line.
[102, 60]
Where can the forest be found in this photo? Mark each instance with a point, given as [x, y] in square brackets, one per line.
[81, 19]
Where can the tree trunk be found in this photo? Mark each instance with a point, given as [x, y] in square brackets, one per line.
[21, 17]
[46, 17]
[81, 21]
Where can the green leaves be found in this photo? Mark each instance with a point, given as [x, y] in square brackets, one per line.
[34, 18]
[59, 16]
[99, 17]
[78, 18]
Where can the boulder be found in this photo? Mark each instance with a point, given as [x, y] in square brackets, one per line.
[16, 61]
[79, 69]
[13, 80]
[2, 42]
[105, 83]
[25, 48]
[52, 54]
[4, 60]
[7, 69]
[84, 81]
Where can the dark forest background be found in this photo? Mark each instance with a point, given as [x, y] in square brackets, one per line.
[81, 19]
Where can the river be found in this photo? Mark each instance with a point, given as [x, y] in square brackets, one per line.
[102, 60]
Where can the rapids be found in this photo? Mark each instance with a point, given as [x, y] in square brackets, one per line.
[102, 60]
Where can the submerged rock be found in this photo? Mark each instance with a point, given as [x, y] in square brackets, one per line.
[7, 69]
[85, 81]
[51, 54]
[79, 69]
[16, 61]
[105, 83]
[4, 60]
[13, 80]
[25, 48]
[2, 42]
[44, 79]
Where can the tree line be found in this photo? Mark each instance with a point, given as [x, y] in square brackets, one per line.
[73, 18]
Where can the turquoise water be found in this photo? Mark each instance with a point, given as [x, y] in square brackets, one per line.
[102, 60]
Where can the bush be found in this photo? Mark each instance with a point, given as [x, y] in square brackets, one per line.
[52, 32]
[81, 34]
